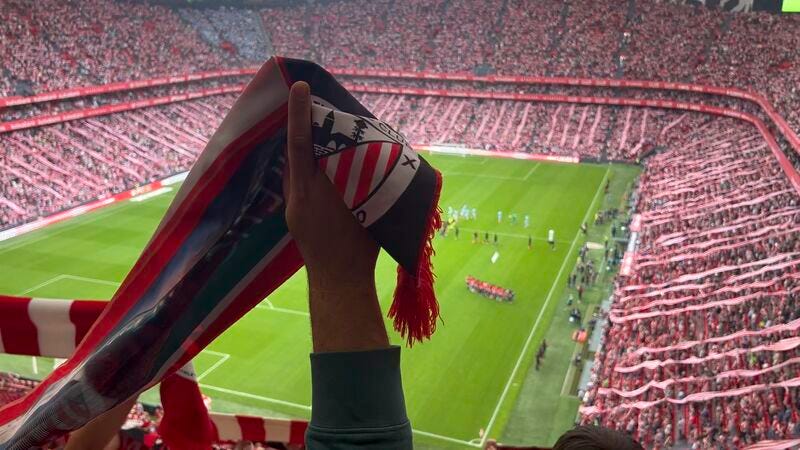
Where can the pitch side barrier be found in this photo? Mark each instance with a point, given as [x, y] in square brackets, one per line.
[54, 328]
[760, 100]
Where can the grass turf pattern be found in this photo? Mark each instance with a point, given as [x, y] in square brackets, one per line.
[467, 378]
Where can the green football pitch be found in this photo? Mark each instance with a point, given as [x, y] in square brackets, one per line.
[466, 379]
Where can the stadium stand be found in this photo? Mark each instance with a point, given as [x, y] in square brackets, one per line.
[702, 345]
[702, 348]
[236, 31]
[643, 39]
[62, 44]
[38, 167]
[543, 128]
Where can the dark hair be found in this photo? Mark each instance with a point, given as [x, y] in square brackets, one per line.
[588, 437]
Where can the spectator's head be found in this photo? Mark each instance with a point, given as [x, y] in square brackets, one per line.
[589, 437]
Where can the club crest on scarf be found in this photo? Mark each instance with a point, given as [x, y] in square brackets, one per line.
[359, 155]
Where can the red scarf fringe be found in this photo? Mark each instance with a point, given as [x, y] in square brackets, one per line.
[414, 308]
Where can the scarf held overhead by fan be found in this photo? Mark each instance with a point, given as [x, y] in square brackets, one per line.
[223, 246]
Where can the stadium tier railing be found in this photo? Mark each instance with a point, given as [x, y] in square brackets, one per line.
[759, 99]
[53, 328]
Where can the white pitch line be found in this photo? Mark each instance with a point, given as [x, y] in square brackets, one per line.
[92, 280]
[496, 177]
[256, 397]
[445, 438]
[291, 311]
[43, 284]
[482, 175]
[533, 169]
[539, 318]
[308, 408]
[224, 358]
[283, 310]
[64, 226]
[64, 276]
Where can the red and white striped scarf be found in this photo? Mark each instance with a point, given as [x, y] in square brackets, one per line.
[223, 246]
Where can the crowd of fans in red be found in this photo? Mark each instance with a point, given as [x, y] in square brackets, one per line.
[61, 44]
[93, 46]
[586, 131]
[710, 308]
[644, 39]
[100, 156]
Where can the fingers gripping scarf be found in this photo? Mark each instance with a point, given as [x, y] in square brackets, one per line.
[223, 246]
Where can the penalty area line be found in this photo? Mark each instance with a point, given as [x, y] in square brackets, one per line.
[223, 357]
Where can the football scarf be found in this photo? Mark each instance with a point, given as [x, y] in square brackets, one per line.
[53, 328]
[223, 246]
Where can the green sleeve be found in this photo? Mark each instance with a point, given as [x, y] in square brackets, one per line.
[357, 402]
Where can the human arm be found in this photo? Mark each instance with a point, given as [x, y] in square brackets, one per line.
[96, 434]
[357, 396]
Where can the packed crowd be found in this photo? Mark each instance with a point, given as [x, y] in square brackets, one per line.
[489, 290]
[94, 46]
[60, 44]
[236, 31]
[642, 39]
[38, 167]
[703, 346]
[589, 131]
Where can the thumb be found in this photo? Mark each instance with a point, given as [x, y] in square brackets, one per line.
[299, 146]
